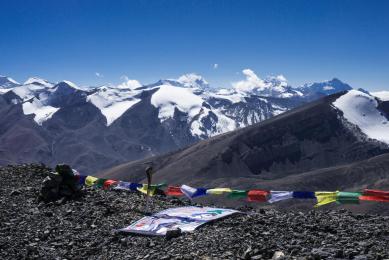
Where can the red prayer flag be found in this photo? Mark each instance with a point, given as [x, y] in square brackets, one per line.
[374, 198]
[258, 195]
[375, 195]
[108, 183]
[380, 193]
[174, 191]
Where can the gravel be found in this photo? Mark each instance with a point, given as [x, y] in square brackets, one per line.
[85, 228]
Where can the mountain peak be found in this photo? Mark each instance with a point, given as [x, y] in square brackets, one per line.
[66, 83]
[7, 82]
[38, 81]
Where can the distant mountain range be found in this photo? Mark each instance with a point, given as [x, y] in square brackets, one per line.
[96, 128]
[339, 142]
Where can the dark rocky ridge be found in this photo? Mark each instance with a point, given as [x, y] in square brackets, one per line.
[83, 229]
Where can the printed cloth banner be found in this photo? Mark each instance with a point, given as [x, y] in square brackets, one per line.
[237, 194]
[304, 195]
[280, 195]
[191, 192]
[90, 180]
[174, 191]
[185, 218]
[257, 195]
[324, 198]
[347, 197]
[218, 191]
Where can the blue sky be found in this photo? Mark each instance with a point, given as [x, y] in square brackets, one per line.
[305, 41]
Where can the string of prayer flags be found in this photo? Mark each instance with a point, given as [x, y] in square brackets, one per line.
[347, 197]
[375, 195]
[257, 195]
[237, 194]
[108, 184]
[90, 180]
[324, 197]
[218, 191]
[174, 191]
[276, 196]
[304, 195]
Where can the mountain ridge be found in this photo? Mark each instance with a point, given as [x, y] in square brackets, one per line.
[97, 128]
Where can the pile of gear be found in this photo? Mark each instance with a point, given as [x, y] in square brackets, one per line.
[63, 183]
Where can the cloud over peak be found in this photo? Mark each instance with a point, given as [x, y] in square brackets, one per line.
[129, 83]
[251, 82]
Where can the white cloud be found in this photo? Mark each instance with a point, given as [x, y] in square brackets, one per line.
[215, 66]
[193, 80]
[99, 75]
[251, 82]
[129, 83]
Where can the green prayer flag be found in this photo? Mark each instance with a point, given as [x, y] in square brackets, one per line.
[100, 183]
[237, 194]
[343, 197]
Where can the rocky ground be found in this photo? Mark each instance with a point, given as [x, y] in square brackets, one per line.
[85, 228]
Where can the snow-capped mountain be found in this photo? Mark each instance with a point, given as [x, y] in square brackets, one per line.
[54, 122]
[361, 110]
[7, 83]
[313, 91]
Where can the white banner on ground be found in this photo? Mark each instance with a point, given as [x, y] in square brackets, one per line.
[185, 218]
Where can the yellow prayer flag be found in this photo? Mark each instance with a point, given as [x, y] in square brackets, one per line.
[143, 189]
[219, 191]
[90, 180]
[324, 197]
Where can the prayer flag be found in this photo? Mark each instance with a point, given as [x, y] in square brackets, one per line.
[108, 184]
[200, 192]
[218, 191]
[380, 193]
[122, 185]
[81, 179]
[237, 194]
[280, 195]
[144, 189]
[304, 195]
[100, 183]
[375, 195]
[174, 191]
[374, 198]
[191, 192]
[257, 195]
[324, 198]
[90, 180]
[134, 186]
[347, 197]
[188, 191]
